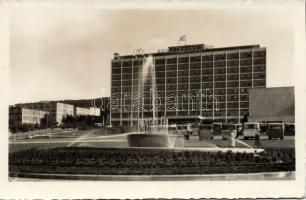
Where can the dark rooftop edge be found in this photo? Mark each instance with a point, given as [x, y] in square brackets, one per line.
[177, 50]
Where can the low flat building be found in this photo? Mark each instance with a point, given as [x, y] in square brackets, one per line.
[19, 116]
[86, 111]
[94, 111]
[56, 110]
[81, 111]
[272, 104]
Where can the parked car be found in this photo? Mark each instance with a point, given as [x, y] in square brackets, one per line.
[251, 130]
[276, 130]
[205, 132]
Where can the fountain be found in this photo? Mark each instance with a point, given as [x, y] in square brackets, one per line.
[152, 132]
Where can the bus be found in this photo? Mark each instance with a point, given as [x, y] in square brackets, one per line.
[276, 130]
[251, 130]
[205, 132]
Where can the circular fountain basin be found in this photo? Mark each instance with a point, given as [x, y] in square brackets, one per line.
[154, 140]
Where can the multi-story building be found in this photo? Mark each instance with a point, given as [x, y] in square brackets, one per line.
[19, 116]
[192, 82]
[56, 110]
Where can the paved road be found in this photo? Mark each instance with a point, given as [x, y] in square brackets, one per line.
[81, 141]
[120, 141]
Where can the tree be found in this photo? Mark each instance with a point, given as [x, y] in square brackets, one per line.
[44, 122]
[68, 121]
[13, 129]
[36, 126]
[81, 121]
[26, 127]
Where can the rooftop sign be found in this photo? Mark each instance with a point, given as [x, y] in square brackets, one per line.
[196, 47]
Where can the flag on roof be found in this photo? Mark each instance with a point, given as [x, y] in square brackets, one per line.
[182, 38]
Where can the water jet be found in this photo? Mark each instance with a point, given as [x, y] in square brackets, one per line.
[152, 132]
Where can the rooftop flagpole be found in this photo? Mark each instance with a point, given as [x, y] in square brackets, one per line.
[182, 38]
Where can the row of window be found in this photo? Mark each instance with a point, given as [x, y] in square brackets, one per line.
[126, 110]
[221, 71]
[245, 81]
[234, 77]
[185, 69]
[180, 106]
[195, 65]
[221, 91]
[194, 75]
[163, 93]
[181, 96]
[243, 55]
[205, 113]
[231, 87]
[181, 103]
[170, 108]
[207, 65]
[194, 84]
[171, 91]
[195, 79]
[117, 109]
[181, 93]
[173, 108]
[128, 116]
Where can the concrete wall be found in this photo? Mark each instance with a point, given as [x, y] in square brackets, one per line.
[272, 104]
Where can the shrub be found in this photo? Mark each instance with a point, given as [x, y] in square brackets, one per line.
[123, 129]
[13, 129]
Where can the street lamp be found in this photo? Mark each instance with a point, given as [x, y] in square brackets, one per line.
[206, 96]
[48, 114]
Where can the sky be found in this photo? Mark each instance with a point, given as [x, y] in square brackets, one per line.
[65, 52]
